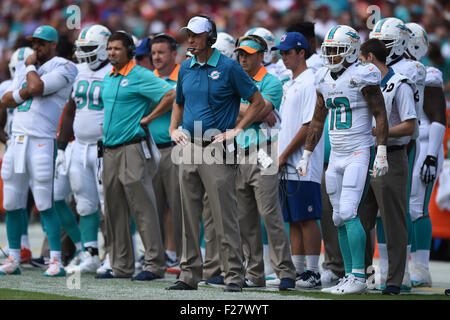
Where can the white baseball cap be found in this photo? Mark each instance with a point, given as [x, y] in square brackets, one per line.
[197, 25]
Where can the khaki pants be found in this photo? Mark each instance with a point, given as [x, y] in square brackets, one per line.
[218, 180]
[257, 196]
[332, 256]
[212, 266]
[128, 189]
[388, 194]
[167, 191]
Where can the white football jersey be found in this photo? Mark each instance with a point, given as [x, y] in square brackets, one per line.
[350, 120]
[399, 106]
[39, 116]
[87, 96]
[415, 71]
[4, 87]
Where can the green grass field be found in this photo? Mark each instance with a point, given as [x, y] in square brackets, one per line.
[32, 285]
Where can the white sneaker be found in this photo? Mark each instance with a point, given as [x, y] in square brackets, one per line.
[406, 283]
[273, 283]
[10, 266]
[75, 262]
[105, 266]
[89, 263]
[4, 252]
[309, 279]
[351, 286]
[341, 281]
[328, 278]
[55, 269]
[420, 276]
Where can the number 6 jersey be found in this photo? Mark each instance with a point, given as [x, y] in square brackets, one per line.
[87, 92]
[350, 120]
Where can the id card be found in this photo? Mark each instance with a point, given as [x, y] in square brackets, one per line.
[145, 149]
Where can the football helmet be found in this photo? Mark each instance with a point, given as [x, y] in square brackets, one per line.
[19, 55]
[225, 44]
[418, 41]
[91, 45]
[340, 41]
[394, 33]
[268, 37]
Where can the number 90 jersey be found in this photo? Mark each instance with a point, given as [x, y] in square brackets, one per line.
[87, 95]
[350, 120]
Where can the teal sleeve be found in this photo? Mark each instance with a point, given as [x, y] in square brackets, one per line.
[272, 91]
[153, 87]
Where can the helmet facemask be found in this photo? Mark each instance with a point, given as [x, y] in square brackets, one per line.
[332, 51]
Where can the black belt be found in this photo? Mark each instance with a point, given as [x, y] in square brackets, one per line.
[165, 145]
[395, 148]
[132, 141]
[204, 143]
[248, 149]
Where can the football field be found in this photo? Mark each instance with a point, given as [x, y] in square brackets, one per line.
[31, 284]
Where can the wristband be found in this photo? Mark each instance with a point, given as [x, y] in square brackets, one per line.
[30, 68]
[381, 150]
[16, 96]
[306, 154]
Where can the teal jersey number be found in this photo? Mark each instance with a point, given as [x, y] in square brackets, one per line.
[89, 95]
[25, 106]
[340, 108]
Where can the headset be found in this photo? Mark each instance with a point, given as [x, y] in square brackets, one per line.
[212, 34]
[130, 46]
[255, 38]
[172, 42]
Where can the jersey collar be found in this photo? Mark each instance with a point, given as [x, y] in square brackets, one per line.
[212, 61]
[387, 77]
[260, 74]
[173, 76]
[125, 69]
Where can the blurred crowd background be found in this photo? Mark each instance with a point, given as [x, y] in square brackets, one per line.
[19, 18]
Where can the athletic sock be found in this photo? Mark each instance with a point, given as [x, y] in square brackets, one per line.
[52, 226]
[312, 263]
[171, 254]
[299, 263]
[55, 255]
[357, 244]
[68, 220]
[15, 253]
[14, 228]
[422, 239]
[89, 225]
[345, 249]
[25, 241]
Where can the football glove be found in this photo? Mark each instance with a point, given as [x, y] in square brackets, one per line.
[302, 165]
[380, 165]
[428, 169]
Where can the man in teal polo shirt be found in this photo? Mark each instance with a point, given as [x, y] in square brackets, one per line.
[129, 160]
[210, 86]
[256, 183]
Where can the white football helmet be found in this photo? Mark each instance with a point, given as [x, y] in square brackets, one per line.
[394, 34]
[418, 41]
[19, 55]
[268, 37]
[92, 44]
[345, 41]
[225, 44]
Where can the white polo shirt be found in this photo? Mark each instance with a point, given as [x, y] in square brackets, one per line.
[297, 109]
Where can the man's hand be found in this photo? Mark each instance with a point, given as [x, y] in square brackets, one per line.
[227, 135]
[428, 169]
[302, 165]
[179, 137]
[380, 166]
[270, 119]
[31, 59]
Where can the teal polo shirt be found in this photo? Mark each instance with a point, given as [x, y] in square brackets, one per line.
[272, 90]
[211, 93]
[127, 97]
[160, 126]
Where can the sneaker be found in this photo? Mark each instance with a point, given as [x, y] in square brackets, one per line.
[420, 276]
[10, 266]
[145, 276]
[391, 291]
[309, 279]
[232, 287]
[351, 286]
[341, 282]
[180, 285]
[55, 269]
[216, 281]
[271, 276]
[286, 284]
[75, 262]
[174, 270]
[328, 278]
[88, 264]
[406, 283]
[273, 281]
[108, 274]
[249, 284]
[171, 262]
[25, 255]
[40, 262]
[105, 266]
[4, 253]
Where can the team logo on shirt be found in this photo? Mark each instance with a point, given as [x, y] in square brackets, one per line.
[352, 83]
[214, 75]
[124, 83]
